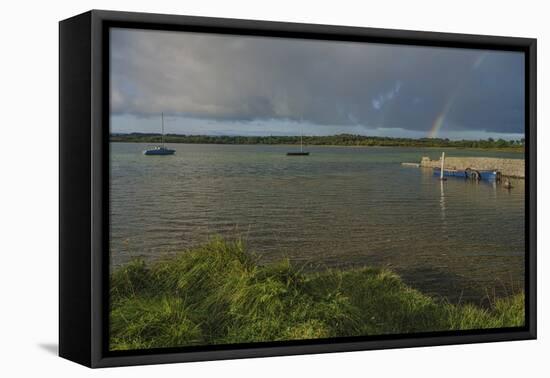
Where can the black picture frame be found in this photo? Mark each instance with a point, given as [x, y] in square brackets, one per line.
[83, 181]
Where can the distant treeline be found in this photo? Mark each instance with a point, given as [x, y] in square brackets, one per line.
[329, 140]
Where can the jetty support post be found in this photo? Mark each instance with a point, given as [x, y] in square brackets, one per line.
[442, 165]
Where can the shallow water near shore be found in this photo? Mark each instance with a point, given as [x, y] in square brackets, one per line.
[339, 207]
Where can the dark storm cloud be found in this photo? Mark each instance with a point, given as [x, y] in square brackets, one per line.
[320, 82]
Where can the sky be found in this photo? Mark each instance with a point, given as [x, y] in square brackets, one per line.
[244, 85]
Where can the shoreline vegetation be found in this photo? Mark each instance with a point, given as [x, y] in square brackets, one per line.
[218, 293]
[329, 140]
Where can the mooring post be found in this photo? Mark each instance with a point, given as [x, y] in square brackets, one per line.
[442, 164]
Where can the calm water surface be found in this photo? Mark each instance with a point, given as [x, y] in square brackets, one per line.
[340, 206]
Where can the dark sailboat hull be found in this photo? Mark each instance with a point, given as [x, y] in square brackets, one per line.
[297, 154]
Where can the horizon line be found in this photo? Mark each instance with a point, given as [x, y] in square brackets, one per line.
[315, 136]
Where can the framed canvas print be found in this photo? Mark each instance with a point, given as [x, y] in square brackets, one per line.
[233, 188]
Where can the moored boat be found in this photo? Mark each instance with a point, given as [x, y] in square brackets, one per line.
[160, 150]
[301, 152]
[297, 153]
[468, 173]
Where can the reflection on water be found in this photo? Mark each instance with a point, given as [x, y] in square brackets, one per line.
[337, 207]
[442, 201]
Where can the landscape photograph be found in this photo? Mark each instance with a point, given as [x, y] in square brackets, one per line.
[266, 189]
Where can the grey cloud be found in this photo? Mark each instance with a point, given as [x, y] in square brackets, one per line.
[326, 83]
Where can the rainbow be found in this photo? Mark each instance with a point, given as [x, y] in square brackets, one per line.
[440, 118]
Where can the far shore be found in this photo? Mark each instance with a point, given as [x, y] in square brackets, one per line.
[343, 140]
[513, 150]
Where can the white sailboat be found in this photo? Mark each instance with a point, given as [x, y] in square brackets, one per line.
[160, 150]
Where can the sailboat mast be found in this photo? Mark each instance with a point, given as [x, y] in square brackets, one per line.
[301, 136]
[162, 136]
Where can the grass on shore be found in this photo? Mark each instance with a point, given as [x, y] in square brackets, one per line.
[219, 294]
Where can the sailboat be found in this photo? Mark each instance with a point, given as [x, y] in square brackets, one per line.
[160, 150]
[301, 152]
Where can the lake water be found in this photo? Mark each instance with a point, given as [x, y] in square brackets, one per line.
[338, 207]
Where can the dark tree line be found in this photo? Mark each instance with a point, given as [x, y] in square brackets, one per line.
[333, 140]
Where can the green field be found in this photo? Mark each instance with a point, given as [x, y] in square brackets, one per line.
[219, 294]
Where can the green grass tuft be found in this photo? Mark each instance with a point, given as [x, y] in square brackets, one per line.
[219, 293]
